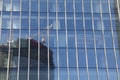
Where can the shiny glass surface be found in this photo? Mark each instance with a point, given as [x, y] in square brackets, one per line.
[59, 40]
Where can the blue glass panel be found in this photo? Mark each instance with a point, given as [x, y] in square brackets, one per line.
[52, 6]
[118, 57]
[111, 58]
[81, 58]
[87, 7]
[16, 5]
[99, 39]
[96, 6]
[6, 22]
[62, 58]
[107, 24]
[62, 39]
[25, 5]
[16, 23]
[72, 58]
[113, 74]
[116, 39]
[61, 24]
[25, 23]
[108, 39]
[114, 24]
[101, 58]
[89, 39]
[0, 5]
[60, 5]
[71, 39]
[43, 23]
[68, 6]
[88, 24]
[70, 24]
[6, 5]
[80, 39]
[79, 24]
[83, 74]
[91, 58]
[105, 6]
[98, 24]
[102, 74]
[34, 23]
[93, 74]
[34, 5]
[73, 74]
[78, 6]
[52, 38]
[43, 6]
[5, 36]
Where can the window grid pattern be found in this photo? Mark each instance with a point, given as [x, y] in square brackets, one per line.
[71, 28]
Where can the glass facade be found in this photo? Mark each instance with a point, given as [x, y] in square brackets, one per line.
[59, 40]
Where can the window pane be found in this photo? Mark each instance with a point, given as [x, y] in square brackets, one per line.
[16, 5]
[91, 58]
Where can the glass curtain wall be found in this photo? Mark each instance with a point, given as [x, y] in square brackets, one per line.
[59, 40]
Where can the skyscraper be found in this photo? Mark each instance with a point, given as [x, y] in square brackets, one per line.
[59, 40]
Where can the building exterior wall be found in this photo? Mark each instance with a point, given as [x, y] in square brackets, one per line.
[83, 36]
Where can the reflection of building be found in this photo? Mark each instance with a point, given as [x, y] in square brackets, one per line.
[84, 37]
[24, 60]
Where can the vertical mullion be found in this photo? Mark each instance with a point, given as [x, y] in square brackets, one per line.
[118, 8]
[67, 59]
[38, 40]
[28, 76]
[76, 47]
[96, 60]
[9, 41]
[18, 70]
[57, 40]
[113, 40]
[85, 39]
[48, 38]
[104, 41]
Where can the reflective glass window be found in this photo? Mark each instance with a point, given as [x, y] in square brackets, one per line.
[34, 23]
[79, 24]
[60, 6]
[62, 39]
[69, 8]
[82, 58]
[70, 24]
[102, 74]
[71, 39]
[99, 39]
[6, 5]
[0, 5]
[78, 6]
[52, 6]
[111, 58]
[113, 74]
[83, 75]
[91, 58]
[93, 74]
[96, 6]
[98, 25]
[43, 6]
[89, 39]
[101, 58]
[80, 39]
[87, 7]
[88, 24]
[25, 23]
[16, 5]
[107, 24]
[72, 58]
[6, 22]
[25, 5]
[108, 39]
[118, 57]
[34, 5]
